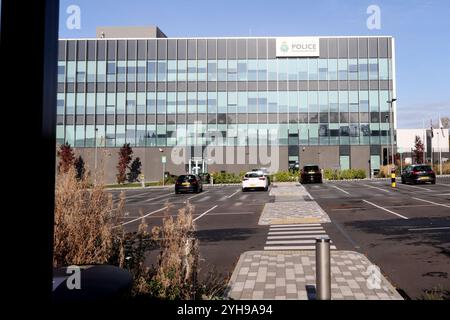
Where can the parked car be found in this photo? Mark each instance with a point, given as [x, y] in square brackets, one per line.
[205, 177]
[418, 173]
[188, 183]
[265, 172]
[255, 180]
[310, 173]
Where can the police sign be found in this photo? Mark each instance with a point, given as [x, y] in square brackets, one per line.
[298, 47]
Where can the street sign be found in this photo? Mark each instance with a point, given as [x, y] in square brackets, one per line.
[163, 159]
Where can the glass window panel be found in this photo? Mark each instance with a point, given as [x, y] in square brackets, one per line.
[373, 100]
[323, 101]
[212, 102]
[232, 102]
[242, 70]
[332, 69]
[272, 70]
[232, 70]
[131, 71]
[302, 68]
[212, 70]
[71, 71]
[201, 70]
[192, 102]
[293, 102]
[292, 69]
[81, 71]
[110, 138]
[383, 69]
[121, 99]
[161, 103]
[60, 104]
[182, 96]
[373, 69]
[303, 101]
[242, 102]
[262, 70]
[252, 70]
[120, 135]
[172, 102]
[121, 71]
[272, 101]
[312, 69]
[363, 101]
[333, 101]
[363, 69]
[151, 71]
[79, 136]
[140, 71]
[222, 70]
[81, 103]
[313, 105]
[182, 70]
[61, 71]
[323, 69]
[343, 101]
[91, 71]
[353, 69]
[162, 70]
[141, 102]
[262, 102]
[283, 99]
[282, 69]
[202, 102]
[131, 103]
[172, 70]
[90, 103]
[252, 102]
[151, 102]
[384, 98]
[192, 70]
[353, 101]
[342, 67]
[101, 71]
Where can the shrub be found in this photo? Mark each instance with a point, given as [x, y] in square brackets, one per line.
[225, 177]
[334, 174]
[66, 157]
[79, 168]
[135, 170]
[284, 176]
[125, 154]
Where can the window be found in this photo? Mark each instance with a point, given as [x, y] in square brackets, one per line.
[172, 102]
[111, 72]
[61, 71]
[80, 103]
[252, 70]
[312, 101]
[363, 69]
[212, 102]
[252, 102]
[272, 70]
[262, 70]
[384, 69]
[373, 69]
[202, 102]
[293, 102]
[242, 70]
[343, 101]
[272, 102]
[292, 70]
[141, 71]
[282, 69]
[262, 102]
[131, 103]
[384, 97]
[182, 70]
[71, 66]
[352, 69]
[363, 101]
[101, 103]
[151, 102]
[323, 69]
[110, 103]
[222, 70]
[232, 102]
[344, 162]
[353, 101]
[131, 71]
[232, 70]
[60, 104]
[342, 67]
[242, 102]
[192, 70]
[181, 102]
[161, 103]
[90, 103]
[303, 101]
[121, 102]
[283, 101]
[332, 69]
[172, 70]
[162, 69]
[312, 67]
[212, 70]
[302, 68]
[201, 70]
[192, 102]
[121, 71]
[101, 71]
[79, 136]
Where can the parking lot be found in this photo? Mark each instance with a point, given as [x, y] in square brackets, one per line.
[405, 231]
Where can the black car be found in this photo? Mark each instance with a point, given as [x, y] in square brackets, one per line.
[310, 173]
[418, 173]
[188, 183]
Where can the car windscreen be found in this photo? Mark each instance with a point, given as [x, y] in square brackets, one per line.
[253, 175]
[422, 168]
[311, 168]
[186, 178]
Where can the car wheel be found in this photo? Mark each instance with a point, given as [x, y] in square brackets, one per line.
[266, 188]
[433, 182]
[403, 181]
[243, 190]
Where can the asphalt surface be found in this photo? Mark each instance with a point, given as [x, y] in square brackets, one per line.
[405, 231]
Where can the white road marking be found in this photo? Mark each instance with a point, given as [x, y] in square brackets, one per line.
[341, 189]
[198, 194]
[233, 193]
[296, 228]
[384, 190]
[420, 188]
[295, 248]
[237, 204]
[204, 199]
[443, 194]
[305, 236]
[146, 215]
[435, 203]
[311, 241]
[243, 197]
[296, 232]
[295, 225]
[210, 209]
[230, 213]
[223, 198]
[156, 198]
[437, 228]
[387, 210]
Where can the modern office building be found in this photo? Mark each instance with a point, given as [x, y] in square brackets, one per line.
[318, 100]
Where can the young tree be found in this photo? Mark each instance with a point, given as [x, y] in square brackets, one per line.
[79, 168]
[66, 157]
[418, 150]
[125, 156]
[135, 170]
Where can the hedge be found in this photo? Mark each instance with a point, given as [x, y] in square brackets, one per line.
[333, 174]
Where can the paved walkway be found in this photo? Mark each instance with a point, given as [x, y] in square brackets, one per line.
[293, 204]
[291, 275]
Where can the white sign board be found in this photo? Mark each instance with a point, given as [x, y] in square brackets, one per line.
[163, 159]
[298, 47]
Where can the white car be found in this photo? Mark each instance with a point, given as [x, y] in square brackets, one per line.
[255, 180]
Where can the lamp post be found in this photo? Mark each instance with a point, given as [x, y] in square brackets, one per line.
[95, 156]
[391, 124]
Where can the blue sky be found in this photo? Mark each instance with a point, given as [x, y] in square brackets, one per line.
[421, 29]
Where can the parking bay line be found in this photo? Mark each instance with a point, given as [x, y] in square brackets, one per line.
[199, 194]
[210, 209]
[302, 236]
[384, 190]
[311, 241]
[296, 228]
[296, 232]
[294, 248]
[156, 198]
[420, 188]
[435, 203]
[144, 216]
[387, 210]
[424, 229]
[233, 194]
[341, 189]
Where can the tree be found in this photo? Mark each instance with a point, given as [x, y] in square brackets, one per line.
[79, 168]
[125, 156]
[418, 150]
[445, 122]
[66, 157]
[135, 170]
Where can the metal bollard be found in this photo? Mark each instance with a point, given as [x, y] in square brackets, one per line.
[393, 182]
[323, 269]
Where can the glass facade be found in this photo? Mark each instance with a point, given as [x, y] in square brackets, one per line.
[164, 92]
